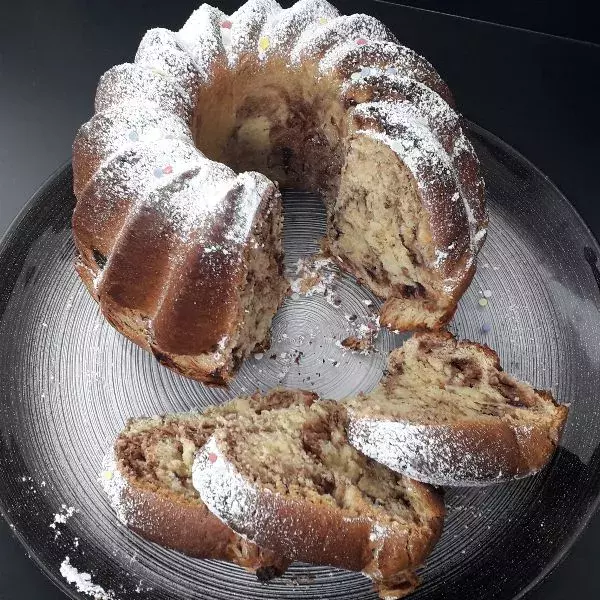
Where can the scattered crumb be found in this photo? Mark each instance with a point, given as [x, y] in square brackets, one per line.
[311, 276]
[302, 579]
[357, 344]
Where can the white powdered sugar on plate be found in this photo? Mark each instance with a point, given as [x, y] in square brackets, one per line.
[60, 518]
[83, 582]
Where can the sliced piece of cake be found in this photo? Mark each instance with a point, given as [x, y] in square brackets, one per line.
[149, 482]
[288, 480]
[447, 414]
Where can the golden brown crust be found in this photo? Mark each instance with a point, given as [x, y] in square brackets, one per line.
[320, 534]
[439, 317]
[175, 517]
[192, 303]
[190, 528]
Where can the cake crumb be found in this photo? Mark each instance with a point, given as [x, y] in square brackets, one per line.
[358, 344]
[313, 278]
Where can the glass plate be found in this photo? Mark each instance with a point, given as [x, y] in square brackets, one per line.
[69, 381]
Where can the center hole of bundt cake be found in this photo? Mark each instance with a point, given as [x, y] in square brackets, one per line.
[274, 120]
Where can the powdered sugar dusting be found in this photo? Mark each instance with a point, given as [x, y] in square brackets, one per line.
[324, 34]
[437, 455]
[246, 27]
[409, 136]
[355, 54]
[122, 127]
[226, 492]
[201, 38]
[61, 517]
[115, 485]
[83, 582]
[286, 26]
[132, 82]
[160, 51]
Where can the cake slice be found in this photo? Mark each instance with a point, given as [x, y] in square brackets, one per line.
[288, 480]
[149, 483]
[447, 414]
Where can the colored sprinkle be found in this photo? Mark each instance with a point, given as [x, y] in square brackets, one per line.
[361, 41]
[323, 20]
[391, 71]
[133, 135]
[355, 76]
[264, 43]
[158, 172]
[483, 302]
[212, 457]
[168, 169]
[226, 24]
[486, 328]
[108, 475]
[159, 72]
[487, 293]
[366, 72]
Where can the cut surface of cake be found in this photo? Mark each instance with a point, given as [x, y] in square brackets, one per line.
[289, 480]
[184, 254]
[446, 413]
[148, 478]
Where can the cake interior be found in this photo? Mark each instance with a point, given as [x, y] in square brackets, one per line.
[157, 453]
[291, 125]
[264, 286]
[431, 382]
[302, 452]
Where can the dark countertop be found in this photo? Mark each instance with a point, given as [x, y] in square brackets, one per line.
[537, 92]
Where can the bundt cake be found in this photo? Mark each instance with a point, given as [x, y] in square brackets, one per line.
[447, 414]
[148, 478]
[184, 255]
[288, 480]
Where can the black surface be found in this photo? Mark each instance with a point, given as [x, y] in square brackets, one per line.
[537, 92]
[577, 19]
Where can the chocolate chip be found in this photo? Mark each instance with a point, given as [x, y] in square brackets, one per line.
[99, 258]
